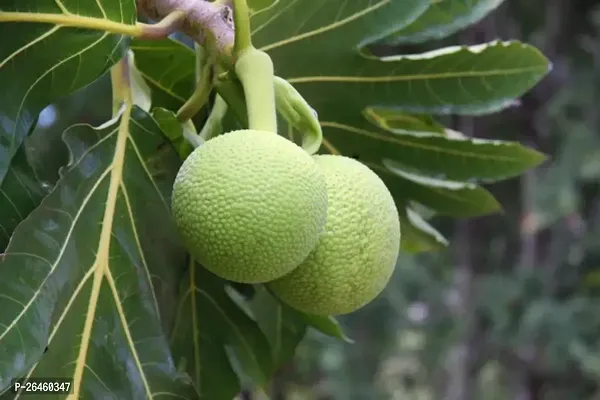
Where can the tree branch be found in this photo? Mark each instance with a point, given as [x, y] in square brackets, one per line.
[208, 23]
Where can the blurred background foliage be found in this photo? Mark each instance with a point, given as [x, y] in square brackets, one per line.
[511, 310]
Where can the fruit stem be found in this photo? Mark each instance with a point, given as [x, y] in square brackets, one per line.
[243, 33]
[255, 70]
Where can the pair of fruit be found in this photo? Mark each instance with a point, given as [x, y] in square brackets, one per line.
[321, 231]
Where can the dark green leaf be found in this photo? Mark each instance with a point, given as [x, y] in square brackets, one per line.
[208, 324]
[442, 19]
[92, 268]
[52, 60]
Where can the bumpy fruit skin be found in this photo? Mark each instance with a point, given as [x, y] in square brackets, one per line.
[357, 252]
[249, 205]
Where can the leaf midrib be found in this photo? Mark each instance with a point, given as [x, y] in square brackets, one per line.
[101, 263]
[416, 77]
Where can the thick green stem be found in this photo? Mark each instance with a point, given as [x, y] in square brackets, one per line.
[254, 68]
[243, 33]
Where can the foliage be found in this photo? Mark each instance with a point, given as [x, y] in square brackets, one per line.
[94, 284]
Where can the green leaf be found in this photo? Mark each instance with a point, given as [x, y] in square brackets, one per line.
[20, 194]
[51, 61]
[457, 199]
[168, 68]
[443, 19]
[208, 324]
[173, 129]
[469, 80]
[283, 327]
[88, 273]
[417, 234]
[316, 50]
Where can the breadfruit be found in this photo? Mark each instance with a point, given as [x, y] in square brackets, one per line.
[249, 205]
[357, 252]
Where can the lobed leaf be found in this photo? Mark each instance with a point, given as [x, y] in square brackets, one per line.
[52, 60]
[87, 275]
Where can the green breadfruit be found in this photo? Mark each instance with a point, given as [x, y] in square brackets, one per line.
[249, 205]
[357, 252]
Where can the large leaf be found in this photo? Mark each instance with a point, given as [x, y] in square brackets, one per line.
[92, 268]
[210, 327]
[319, 56]
[442, 19]
[41, 62]
[322, 50]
